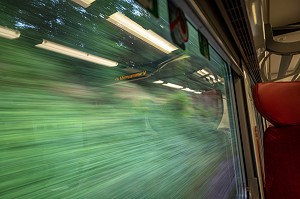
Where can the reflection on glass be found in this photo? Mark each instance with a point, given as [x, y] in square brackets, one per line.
[146, 35]
[172, 85]
[188, 90]
[158, 82]
[9, 33]
[48, 45]
[84, 3]
[204, 71]
[70, 129]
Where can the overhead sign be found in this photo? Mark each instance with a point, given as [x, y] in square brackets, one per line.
[204, 45]
[178, 25]
[132, 76]
[150, 5]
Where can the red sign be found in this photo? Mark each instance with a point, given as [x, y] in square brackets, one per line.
[178, 25]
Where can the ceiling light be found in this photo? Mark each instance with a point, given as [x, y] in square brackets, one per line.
[135, 29]
[254, 13]
[158, 82]
[48, 45]
[9, 33]
[84, 3]
[172, 85]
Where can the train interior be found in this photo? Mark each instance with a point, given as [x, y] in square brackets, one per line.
[147, 99]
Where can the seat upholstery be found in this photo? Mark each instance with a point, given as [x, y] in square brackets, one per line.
[282, 162]
[279, 103]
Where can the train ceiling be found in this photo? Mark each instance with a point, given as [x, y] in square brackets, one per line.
[281, 61]
[267, 33]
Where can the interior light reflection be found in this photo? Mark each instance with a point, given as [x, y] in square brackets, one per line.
[204, 71]
[9, 33]
[188, 90]
[173, 85]
[158, 82]
[84, 3]
[197, 92]
[58, 48]
[213, 77]
[135, 29]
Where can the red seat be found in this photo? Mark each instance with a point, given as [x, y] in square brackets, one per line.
[279, 103]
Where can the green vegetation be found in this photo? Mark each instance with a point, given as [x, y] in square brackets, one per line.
[70, 130]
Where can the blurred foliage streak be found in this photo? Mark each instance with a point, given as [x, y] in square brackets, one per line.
[69, 129]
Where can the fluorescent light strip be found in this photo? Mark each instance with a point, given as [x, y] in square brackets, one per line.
[197, 92]
[200, 72]
[84, 3]
[254, 13]
[158, 82]
[213, 77]
[147, 36]
[48, 45]
[9, 33]
[204, 71]
[172, 85]
[188, 90]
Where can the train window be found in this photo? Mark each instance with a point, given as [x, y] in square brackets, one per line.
[97, 102]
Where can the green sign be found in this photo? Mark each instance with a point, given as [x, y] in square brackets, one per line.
[204, 45]
[150, 5]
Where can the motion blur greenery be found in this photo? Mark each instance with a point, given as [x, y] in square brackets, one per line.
[69, 130]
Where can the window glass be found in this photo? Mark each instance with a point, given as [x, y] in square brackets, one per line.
[98, 102]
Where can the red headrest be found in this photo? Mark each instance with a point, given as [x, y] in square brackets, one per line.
[278, 102]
